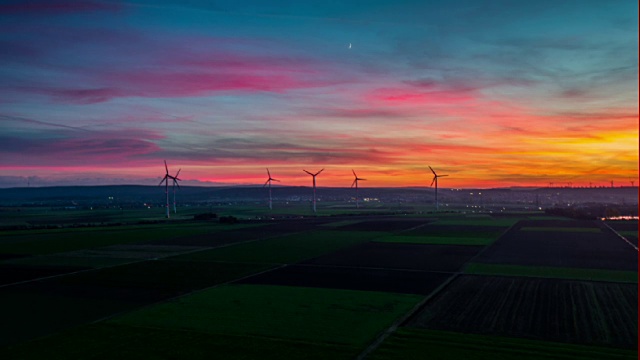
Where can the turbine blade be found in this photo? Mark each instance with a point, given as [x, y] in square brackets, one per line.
[275, 180]
[163, 179]
[166, 167]
[353, 183]
[361, 179]
[268, 173]
[320, 171]
[265, 183]
[178, 173]
[308, 172]
[354, 173]
[434, 173]
[442, 175]
[432, 181]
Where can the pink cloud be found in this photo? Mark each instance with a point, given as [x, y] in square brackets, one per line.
[230, 73]
[87, 148]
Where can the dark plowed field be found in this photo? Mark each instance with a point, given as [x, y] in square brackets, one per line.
[546, 309]
[398, 281]
[401, 256]
[384, 225]
[557, 223]
[562, 249]
[40, 308]
[239, 235]
[10, 273]
[6, 256]
[440, 230]
[623, 225]
[167, 277]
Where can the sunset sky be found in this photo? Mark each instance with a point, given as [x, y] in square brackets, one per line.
[492, 93]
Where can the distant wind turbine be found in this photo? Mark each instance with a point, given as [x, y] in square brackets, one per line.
[355, 183]
[165, 179]
[269, 180]
[314, 187]
[175, 183]
[435, 180]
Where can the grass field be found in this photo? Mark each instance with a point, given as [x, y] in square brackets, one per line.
[552, 272]
[346, 317]
[418, 344]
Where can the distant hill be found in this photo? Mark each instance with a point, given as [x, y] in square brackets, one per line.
[131, 194]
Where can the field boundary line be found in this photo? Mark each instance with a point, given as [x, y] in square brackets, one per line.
[504, 232]
[619, 235]
[410, 314]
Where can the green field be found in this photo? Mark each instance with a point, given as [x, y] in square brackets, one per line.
[418, 344]
[286, 249]
[552, 272]
[346, 317]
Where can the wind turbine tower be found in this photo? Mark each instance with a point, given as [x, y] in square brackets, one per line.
[269, 180]
[435, 180]
[314, 187]
[165, 179]
[355, 183]
[175, 183]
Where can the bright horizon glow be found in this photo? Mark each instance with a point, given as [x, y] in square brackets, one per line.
[493, 95]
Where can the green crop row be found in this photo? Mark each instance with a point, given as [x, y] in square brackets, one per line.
[409, 344]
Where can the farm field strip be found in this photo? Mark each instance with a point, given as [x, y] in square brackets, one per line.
[435, 240]
[552, 272]
[413, 344]
[96, 341]
[346, 317]
[596, 250]
[505, 223]
[351, 278]
[67, 301]
[593, 313]
[445, 258]
[285, 249]
[79, 239]
[63, 259]
[622, 237]
[561, 229]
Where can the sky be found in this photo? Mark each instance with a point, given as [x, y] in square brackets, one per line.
[490, 93]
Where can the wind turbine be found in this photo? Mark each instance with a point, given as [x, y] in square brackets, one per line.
[165, 179]
[175, 183]
[314, 187]
[269, 180]
[355, 183]
[435, 180]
